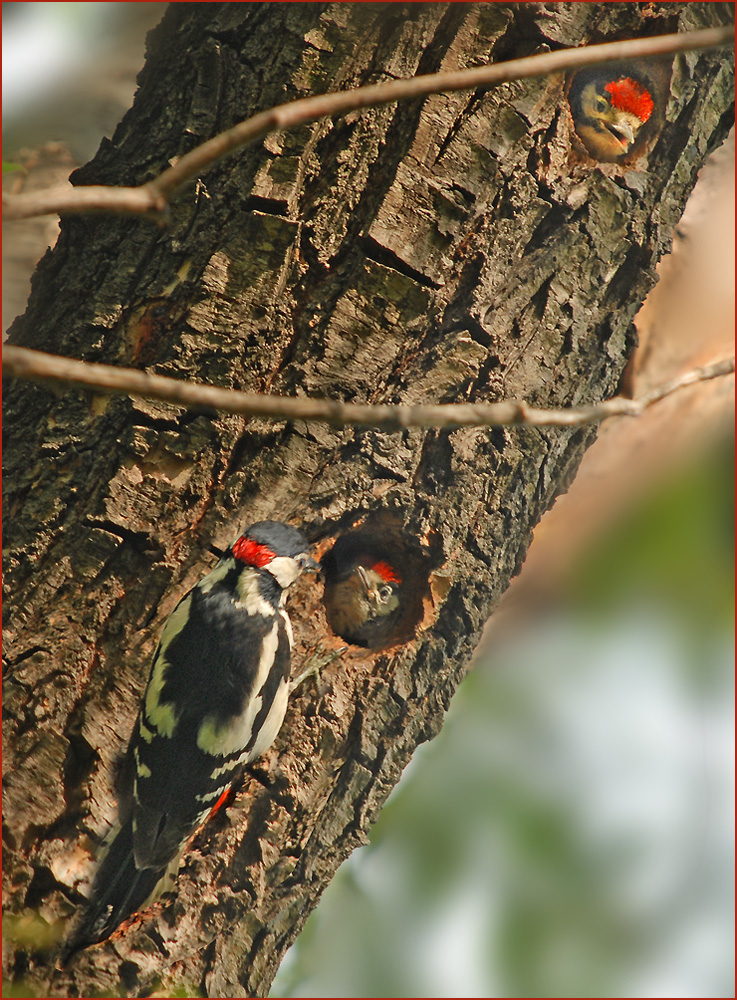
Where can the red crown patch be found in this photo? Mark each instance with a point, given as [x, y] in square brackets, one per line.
[386, 572]
[629, 95]
[252, 553]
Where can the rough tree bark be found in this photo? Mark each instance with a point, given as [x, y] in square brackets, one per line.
[463, 247]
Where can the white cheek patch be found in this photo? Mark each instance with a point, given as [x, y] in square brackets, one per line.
[284, 569]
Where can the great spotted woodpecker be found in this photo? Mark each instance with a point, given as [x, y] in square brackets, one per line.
[609, 111]
[215, 700]
[361, 599]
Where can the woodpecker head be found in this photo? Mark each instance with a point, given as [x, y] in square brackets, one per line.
[609, 112]
[276, 548]
[360, 602]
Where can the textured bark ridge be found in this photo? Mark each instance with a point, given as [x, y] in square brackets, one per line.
[459, 248]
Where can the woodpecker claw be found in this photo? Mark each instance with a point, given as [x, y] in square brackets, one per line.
[315, 664]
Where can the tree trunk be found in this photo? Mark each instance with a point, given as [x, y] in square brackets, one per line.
[464, 247]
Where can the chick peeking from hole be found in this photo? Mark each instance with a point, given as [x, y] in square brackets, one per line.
[361, 599]
[610, 109]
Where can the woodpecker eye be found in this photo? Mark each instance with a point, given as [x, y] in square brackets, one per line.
[307, 562]
[601, 103]
[385, 592]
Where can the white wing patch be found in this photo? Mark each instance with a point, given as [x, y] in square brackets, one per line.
[223, 739]
[142, 771]
[162, 715]
[288, 629]
[211, 796]
[272, 723]
[146, 733]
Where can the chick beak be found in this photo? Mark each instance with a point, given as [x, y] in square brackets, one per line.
[624, 129]
[364, 580]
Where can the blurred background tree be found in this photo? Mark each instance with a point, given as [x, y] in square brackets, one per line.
[569, 832]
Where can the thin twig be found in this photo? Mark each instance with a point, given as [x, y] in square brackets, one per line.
[42, 367]
[152, 198]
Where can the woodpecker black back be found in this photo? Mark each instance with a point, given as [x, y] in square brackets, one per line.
[215, 700]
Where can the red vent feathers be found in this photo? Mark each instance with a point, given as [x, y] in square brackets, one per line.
[628, 95]
[386, 572]
[252, 553]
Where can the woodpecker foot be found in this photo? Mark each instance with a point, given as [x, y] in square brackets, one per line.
[314, 665]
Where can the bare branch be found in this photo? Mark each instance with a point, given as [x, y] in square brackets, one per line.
[151, 198]
[64, 199]
[42, 367]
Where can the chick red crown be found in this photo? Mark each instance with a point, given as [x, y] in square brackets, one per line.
[386, 572]
[629, 95]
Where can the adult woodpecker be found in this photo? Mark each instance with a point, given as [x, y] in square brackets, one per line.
[609, 111]
[361, 599]
[215, 700]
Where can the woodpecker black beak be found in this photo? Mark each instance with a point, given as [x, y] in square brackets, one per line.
[309, 565]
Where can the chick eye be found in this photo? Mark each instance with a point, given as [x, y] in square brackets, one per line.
[602, 103]
[385, 592]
